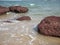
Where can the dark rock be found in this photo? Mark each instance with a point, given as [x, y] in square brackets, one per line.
[24, 18]
[50, 26]
[18, 9]
[7, 21]
[3, 10]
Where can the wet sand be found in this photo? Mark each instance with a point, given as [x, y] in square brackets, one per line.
[23, 32]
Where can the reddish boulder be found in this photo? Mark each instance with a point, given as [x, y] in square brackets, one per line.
[3, 10]
[18, 9]
[50, 26]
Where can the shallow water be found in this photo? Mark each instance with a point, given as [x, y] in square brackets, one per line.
[25, 32]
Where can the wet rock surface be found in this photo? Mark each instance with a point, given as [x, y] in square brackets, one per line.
[50, 26]
[3, 10]
[24, 18]
[18, 9]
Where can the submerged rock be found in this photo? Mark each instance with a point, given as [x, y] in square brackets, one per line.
[24, 18]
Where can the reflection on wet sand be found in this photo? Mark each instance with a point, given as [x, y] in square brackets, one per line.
[23, 32]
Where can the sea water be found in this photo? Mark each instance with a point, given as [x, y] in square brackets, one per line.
[37, 7]
[25, 32]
